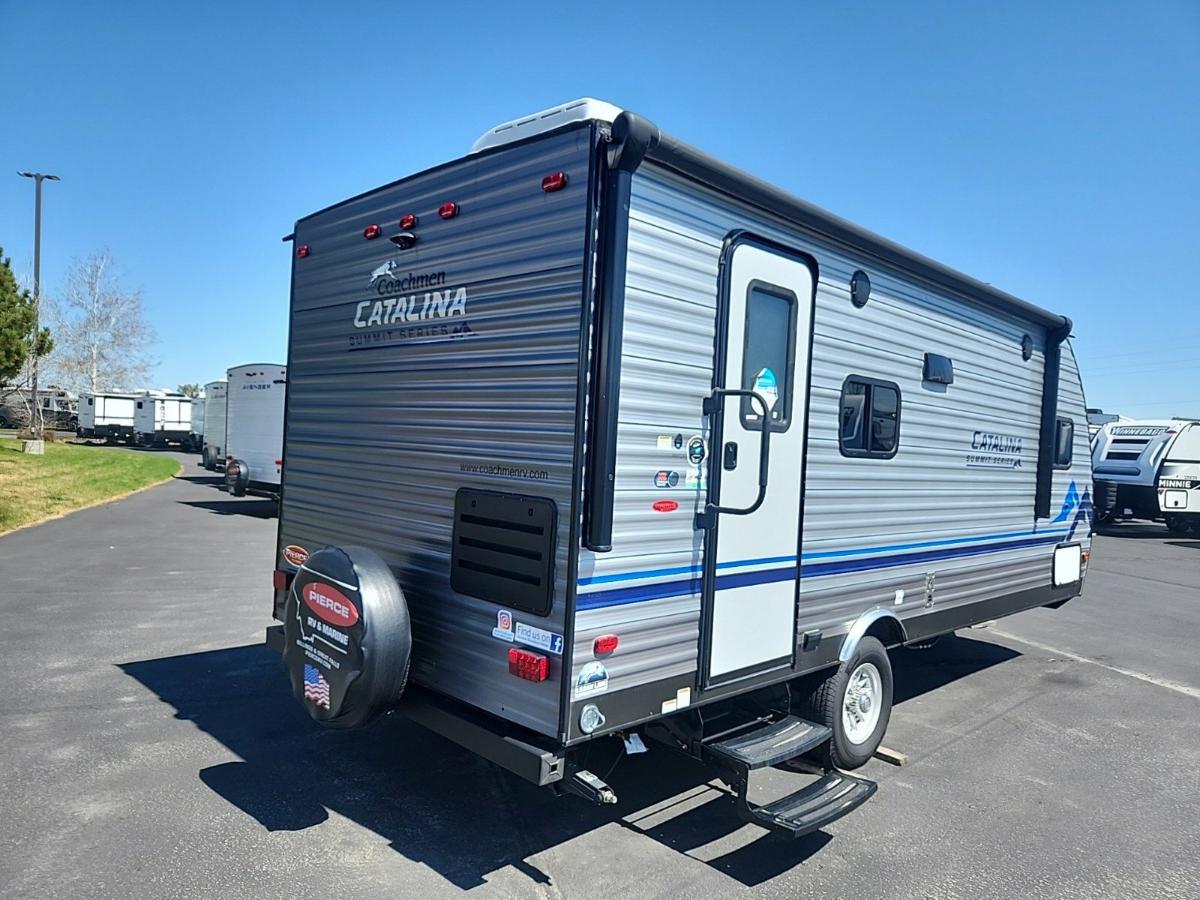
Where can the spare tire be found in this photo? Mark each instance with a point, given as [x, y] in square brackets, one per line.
[237, 477]
[346, 636]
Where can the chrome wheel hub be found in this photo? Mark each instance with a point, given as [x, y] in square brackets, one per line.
[860, 705]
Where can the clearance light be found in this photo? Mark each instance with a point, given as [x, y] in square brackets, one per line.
[606, 643]
[408, 222]
[555, 181]
[371, 232]
[528, 665]
[303, 251]
[448, 210]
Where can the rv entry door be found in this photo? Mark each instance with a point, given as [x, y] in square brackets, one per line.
[753, 515]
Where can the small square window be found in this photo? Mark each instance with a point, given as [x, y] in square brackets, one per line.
[1064, 443]
[869, 418]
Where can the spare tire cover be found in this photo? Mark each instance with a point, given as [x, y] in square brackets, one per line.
[346, 636]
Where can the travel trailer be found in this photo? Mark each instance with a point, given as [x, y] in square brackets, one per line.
[107, 415]
[212, 454]
[254, 428]
[1179, 480]
[161, 418]
[1126, 456]
[196, 438]
[59, 408]
[591, 436]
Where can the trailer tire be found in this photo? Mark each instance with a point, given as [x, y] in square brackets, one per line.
[862, 683]
[345, 607]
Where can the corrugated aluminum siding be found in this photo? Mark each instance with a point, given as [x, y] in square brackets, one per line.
[381, 434]
[857, 512]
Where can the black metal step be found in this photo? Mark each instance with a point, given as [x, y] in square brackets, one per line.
[767, 745]
[822, 802]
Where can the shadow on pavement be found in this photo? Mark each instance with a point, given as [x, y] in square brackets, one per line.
[1138, 531]
[428, 796]
[244, 506]
[1190, 545]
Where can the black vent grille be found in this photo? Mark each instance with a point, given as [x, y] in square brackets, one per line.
[504, 549]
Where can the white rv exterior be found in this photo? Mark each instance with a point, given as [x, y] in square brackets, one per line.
[255, 396]
[161, 417]
[198, 421]
[107, 415]
[1179, 480]
[1126, 456]
[213, 450]
[678, 455]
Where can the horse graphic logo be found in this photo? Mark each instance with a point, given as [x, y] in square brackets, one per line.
[384, 271]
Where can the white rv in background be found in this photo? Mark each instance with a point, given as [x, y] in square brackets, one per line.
[1125, 458]
[196, 438]
[254, 428]
[1179, 480]
[107, 415]
[161, 418]
[212, 452]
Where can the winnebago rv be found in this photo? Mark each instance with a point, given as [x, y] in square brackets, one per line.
[254, 428]
[1125, 458]
[212, 453]
[590, 434]
[1179, 480]
[161, 418]
[107, 415]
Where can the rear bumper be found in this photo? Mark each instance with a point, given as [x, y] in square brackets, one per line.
[508, 746]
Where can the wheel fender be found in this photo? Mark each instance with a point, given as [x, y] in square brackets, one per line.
[860, 626]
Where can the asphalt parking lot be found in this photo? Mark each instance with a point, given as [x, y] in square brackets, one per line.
[150, 748]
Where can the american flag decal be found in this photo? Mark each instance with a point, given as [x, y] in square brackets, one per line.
[316, 688]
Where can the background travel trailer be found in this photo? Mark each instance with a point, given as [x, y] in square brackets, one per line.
[213, 450]
[1179, 480]
[254, 428]
[196, 437]
[107, 415]
[644, 441]
[59, 408]
[161, 418]
[1126, 456]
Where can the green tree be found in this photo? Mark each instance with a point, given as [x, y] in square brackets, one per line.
[190, 390]
[16, 324]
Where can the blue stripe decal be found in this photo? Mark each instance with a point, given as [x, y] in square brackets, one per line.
[663, 590]
[824, 554]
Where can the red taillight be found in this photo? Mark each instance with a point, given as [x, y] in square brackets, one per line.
[282, 579]
[528, 665]
[606, 643]
[555, 181]
[448, 210]
[303, 251]
[371, 232]
[409, 221]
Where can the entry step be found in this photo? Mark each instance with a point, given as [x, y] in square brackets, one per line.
[825, 800]
[768, 744]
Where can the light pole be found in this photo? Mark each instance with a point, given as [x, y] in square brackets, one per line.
[35, 415]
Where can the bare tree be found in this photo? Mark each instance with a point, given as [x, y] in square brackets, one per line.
[101, 334]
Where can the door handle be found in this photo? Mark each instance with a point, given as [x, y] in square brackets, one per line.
[713, 404]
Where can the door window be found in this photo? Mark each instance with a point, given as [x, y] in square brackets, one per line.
[768, 353]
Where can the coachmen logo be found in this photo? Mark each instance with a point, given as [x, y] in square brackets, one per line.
[330, 604]
[295, 554]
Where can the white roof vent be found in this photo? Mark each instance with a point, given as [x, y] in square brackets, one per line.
[545, 120]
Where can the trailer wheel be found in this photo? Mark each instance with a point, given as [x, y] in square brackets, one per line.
[1177, 524]
[855, 702]
[347, 642]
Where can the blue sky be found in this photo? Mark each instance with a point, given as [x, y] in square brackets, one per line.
[1051, 149]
